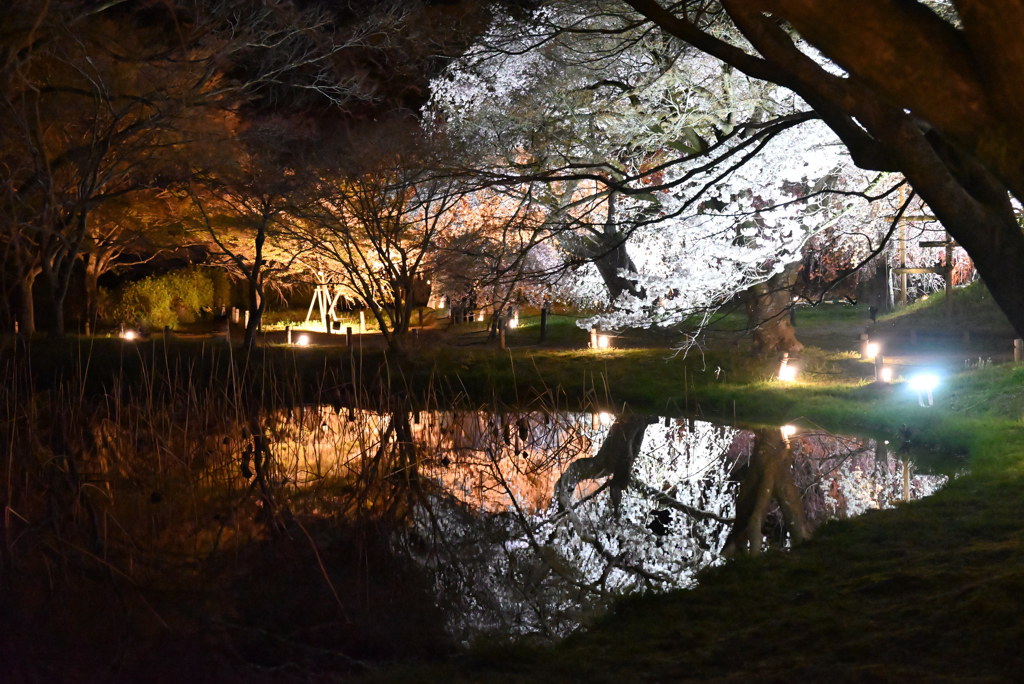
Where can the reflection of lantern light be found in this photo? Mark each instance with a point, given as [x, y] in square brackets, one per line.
[129, 335]
[303, 340]
[886, 375]
[602, 342]
[788, 431]
[872, 349]
[787, 373]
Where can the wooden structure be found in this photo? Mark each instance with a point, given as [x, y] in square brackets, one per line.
[945, 270]
[324, 301]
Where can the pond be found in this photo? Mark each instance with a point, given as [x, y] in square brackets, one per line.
[532, 522]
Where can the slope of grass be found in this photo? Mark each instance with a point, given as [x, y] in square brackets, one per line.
[973, 307]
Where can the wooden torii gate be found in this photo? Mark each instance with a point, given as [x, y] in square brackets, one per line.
[946, 270]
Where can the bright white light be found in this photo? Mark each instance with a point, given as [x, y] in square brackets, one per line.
[480, 318]
[303, 340]
[787, 373]
[872, 349]
[514, 323]
[606, 418]
[788, 431]
[129, 335]
[923, 383]
[602, 342]
[924, 298]
[886, 375]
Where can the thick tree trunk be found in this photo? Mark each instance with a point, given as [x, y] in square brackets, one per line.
[611, 261]
[770, 475]
[257, 304]
[256, 299]
[54, 291]
[611, 258]
[24, 305]
[92, 291]
[767, 306]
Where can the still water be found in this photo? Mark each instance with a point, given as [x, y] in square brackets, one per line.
[529, 523]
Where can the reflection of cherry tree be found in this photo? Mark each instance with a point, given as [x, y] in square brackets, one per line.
[530, 522]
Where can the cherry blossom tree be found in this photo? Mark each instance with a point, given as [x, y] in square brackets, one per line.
[678, 182]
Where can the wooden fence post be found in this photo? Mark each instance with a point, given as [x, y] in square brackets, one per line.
[543, 322]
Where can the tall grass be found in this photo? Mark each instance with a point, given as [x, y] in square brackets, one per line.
[159, 515]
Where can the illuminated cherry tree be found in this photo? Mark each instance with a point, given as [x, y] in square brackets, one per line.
[672, 183]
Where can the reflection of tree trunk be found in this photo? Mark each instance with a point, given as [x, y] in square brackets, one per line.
[614, 458]
[770, 474]
[767, 305]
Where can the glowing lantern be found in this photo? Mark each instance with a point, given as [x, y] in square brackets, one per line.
[886, 375]
[787, 373]
[872, 350]
[303, 340]
[788, 431]
[602, 342]
[129, 335]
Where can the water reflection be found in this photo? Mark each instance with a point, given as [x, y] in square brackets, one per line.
[529, 522]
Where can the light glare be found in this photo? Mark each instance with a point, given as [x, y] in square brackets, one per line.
[602, 342]
[887, 375]
[303, 340]
[872, 349]
[787, 373]
[129, 335]
[923, 383]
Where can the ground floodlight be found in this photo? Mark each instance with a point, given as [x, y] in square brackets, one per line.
[602, 342]
[872, 350]
[787, 373]
[924, 384]
[886, 375]
[303, 340]
[129, 335]
[606, 418]
[514, 322]
[788, 431]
